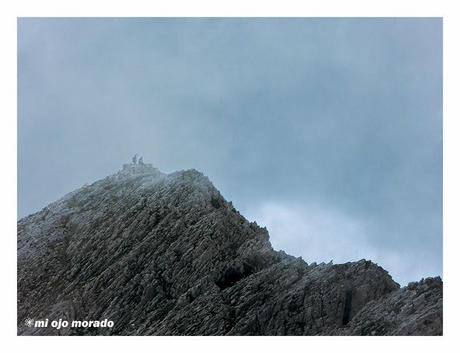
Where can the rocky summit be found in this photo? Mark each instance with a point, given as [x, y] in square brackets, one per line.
[149, 253]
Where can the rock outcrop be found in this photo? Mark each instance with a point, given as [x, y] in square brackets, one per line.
[166, 254]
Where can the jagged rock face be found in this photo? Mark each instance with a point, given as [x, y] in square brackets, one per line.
[166, 255]
[402, 312]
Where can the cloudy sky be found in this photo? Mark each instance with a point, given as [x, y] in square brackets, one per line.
[327, 131]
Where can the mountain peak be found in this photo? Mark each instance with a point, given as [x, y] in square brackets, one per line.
[138, 167]
[166, 254]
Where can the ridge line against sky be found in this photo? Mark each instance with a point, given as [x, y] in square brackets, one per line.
[292, 119]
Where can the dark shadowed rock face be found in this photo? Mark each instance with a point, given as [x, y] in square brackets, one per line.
[166, 255]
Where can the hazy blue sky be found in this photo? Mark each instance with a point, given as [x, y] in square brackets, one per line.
[327, 131]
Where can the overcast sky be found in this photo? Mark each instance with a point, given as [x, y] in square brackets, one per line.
[327, 131]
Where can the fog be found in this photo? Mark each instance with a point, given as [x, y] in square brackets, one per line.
[327, 131]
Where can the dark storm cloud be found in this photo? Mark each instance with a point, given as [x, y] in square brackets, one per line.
[341, 113]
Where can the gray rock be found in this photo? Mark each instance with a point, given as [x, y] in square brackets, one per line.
[167, 255]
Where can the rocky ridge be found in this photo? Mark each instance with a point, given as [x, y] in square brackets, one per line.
[166, 254]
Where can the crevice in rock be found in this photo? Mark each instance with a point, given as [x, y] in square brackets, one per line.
[347, 307]
[232, 275]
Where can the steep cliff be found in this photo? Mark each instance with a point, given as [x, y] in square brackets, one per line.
[166, 254]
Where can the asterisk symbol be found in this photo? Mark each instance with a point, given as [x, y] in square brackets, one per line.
[29, 322]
